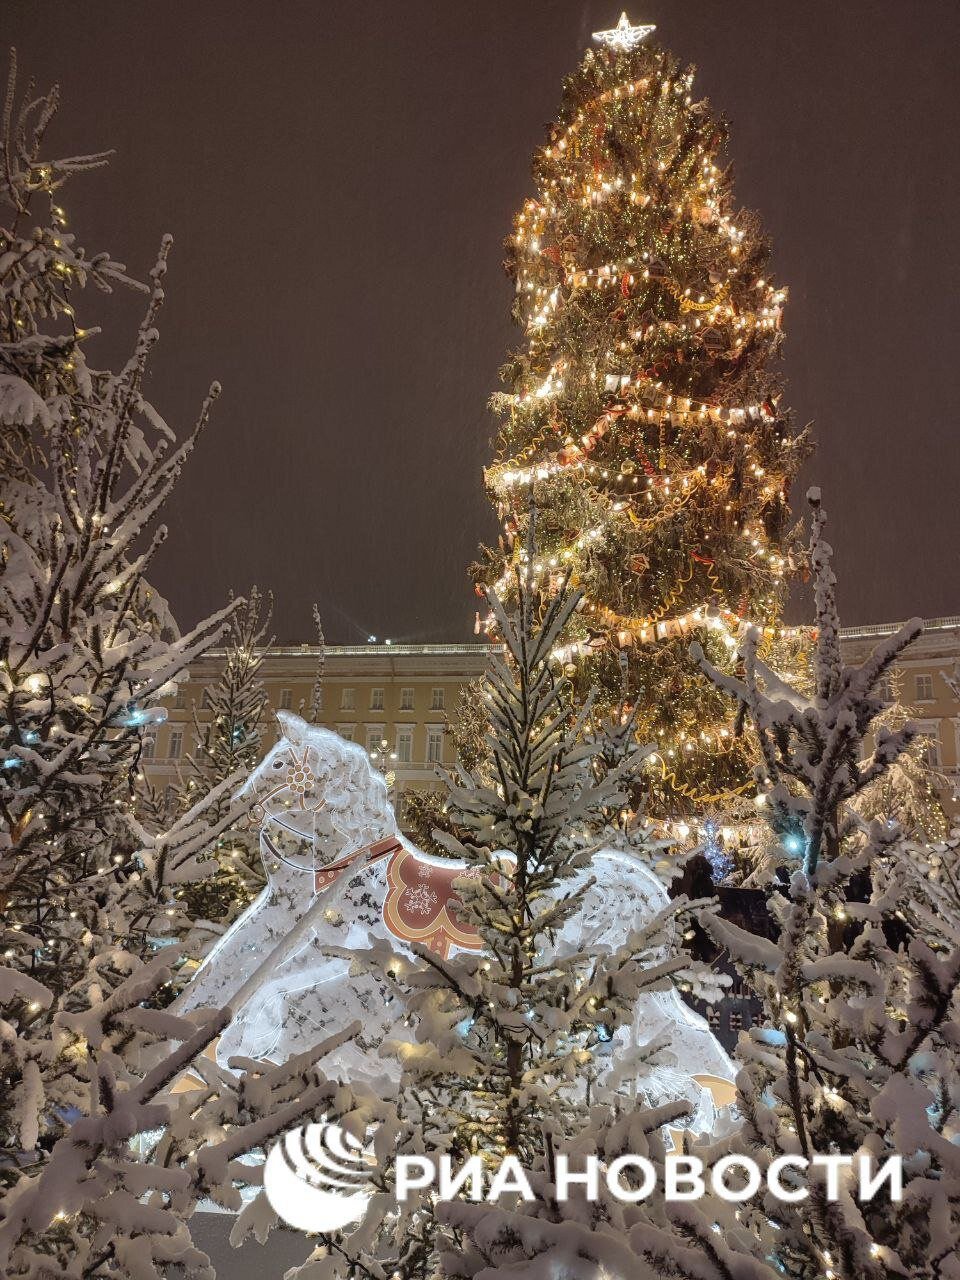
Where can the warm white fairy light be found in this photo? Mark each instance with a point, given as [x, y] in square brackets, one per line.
[624, 35]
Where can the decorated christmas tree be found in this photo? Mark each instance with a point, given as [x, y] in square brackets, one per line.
[643, 409]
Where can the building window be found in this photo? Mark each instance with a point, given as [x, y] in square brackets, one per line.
[286, 699]
[376, 699]
[930, 742]
[713, 1018]
[924, 688]
[374, 737]
[406, 699]
[436, 699]
[206, 700]
[149, 747]
[736, 1020]
[885, 690]
[180, 702]
[404, 746]
[348, 699]
[434, 745]
[176, 744]
[346, 731]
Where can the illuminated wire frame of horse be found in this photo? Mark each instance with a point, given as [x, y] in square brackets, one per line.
[340, 875]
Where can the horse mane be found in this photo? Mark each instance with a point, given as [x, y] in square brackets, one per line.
[354, 794]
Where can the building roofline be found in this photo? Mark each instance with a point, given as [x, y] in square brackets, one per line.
[949, 623]
[377, 650]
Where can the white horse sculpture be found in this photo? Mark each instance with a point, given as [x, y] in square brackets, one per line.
[339, 871]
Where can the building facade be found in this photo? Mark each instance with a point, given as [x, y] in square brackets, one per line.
[926, 681]
[404, 695]
[399, 695]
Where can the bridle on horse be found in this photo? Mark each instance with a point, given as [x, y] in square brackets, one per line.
[377, 850]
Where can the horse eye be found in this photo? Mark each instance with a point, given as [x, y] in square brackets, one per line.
[278, 764]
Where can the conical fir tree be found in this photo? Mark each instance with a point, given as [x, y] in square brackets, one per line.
[227, 745]
[643, 411]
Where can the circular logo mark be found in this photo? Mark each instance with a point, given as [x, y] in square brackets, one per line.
[317, 1178]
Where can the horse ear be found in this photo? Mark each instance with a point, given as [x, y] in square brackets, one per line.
[292, 727]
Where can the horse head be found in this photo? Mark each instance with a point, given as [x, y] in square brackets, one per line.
[315, 797]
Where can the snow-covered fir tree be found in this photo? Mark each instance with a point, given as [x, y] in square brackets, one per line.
[102, 1165]
[228, 730]
[510, 1054]
[934, 870]
[425, 809]
[857, 1052]
[88, 649]
[910, 790]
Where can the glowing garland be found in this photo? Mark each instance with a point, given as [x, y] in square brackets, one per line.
[670, 508]
[612, 274]
[744, 322]
[513, 472]
[691, 793]
[770, 317]
[596, 194]
[733, 628]
[624, 624]
[676, 410]
[619, 92]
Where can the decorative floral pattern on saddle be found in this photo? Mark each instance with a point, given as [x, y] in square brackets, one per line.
[421, 903]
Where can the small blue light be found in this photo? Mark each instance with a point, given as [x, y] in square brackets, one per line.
[770, 1035]
[793, 844]
[604, 1033]
[13, 762]
[465, 1027]
[134, 717]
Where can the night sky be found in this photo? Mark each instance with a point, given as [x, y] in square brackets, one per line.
[339, 178]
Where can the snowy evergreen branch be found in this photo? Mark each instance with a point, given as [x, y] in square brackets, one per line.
[511, 1052]
[858, 1051]
[112, 1164]
[227, 744]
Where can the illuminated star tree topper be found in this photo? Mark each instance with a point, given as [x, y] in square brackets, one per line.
[624, 35]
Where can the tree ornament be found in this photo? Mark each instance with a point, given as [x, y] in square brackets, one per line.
[624, 36]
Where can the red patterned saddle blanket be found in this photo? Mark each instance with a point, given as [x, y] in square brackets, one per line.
[421, 903]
